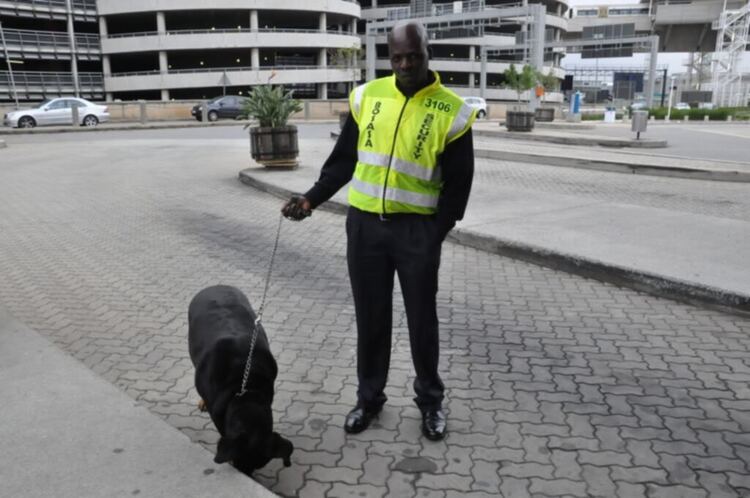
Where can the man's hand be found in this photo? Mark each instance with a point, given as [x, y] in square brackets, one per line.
[297, 208]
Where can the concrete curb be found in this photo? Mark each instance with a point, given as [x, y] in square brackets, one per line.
[139, 126]
[600, 141]
[614, 166]
[657, 285]
[3, 144]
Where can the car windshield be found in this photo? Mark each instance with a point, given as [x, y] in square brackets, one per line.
[44, 103]
[215, 100]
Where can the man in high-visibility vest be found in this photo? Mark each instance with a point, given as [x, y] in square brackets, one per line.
[407, 151]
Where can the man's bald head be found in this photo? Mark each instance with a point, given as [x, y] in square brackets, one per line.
[408, 51]
[413, 30]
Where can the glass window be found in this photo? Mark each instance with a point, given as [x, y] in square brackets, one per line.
[75, 103]
[59, 104]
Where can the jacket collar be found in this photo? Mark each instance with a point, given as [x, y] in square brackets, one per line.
[422, 91]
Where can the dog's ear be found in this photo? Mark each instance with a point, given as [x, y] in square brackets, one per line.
[225, 450]
[281, 448]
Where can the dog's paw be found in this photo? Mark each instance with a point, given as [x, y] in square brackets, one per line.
[202, 405]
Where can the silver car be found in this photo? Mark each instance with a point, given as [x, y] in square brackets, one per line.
[58, 112]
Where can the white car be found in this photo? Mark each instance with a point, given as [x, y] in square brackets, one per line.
[59, 112]
[682, 106]
[479, 104]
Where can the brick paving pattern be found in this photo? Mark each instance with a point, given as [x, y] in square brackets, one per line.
[557, 385]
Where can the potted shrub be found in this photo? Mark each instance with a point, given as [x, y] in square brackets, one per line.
[548, 82]
[523, 81]
[273, 143]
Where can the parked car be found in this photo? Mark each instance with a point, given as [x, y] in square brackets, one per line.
[58, 111]
[228, 106]
[479, 104]
[682, 106]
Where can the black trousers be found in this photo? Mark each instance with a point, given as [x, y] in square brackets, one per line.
[407, 245]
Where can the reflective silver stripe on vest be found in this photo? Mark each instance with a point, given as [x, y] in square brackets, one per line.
[459, 122]
[406, 167]
[394, 194]
[358, 93]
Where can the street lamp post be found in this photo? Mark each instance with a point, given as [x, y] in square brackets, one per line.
[10, 67]
[671, 93]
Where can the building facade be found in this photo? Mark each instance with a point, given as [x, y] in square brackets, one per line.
[53, 47]
[178, 49]
[456, 51]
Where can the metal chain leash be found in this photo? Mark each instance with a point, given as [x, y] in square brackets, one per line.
[257, 324]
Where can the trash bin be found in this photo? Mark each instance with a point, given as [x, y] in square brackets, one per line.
[639, 123]
[610, 115]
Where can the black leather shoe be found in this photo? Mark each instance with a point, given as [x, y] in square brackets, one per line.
[433, 424]
[359, 419]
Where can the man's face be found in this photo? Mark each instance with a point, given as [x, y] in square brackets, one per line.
[409, 58]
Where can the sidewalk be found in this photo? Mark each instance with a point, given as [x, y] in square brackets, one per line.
[677, 255]
[68, 433]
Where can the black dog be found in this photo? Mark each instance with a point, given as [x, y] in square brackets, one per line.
[221, 323]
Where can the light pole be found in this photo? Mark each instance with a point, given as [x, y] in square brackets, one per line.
[671, 93]
[10, 67]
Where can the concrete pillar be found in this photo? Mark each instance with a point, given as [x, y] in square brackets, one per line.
[109, 97]
[103, 27]
[163, 62]
[254, 20]
[472, 52]
[106, 67]
[161, 23]
[374, 3]
[255, 58]
[323, 57]
[471, 80]
[323, 91]
[323, 23]
[164, 94]
[354, 26]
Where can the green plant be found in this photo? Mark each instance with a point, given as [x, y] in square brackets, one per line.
[520, 81]
[270, 105]
[345, 56]
[549, 82]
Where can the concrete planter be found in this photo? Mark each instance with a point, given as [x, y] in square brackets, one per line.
[545, 114]
[275, 147]
[519, 121]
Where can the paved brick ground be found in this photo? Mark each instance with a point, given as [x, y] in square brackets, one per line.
[558, 386]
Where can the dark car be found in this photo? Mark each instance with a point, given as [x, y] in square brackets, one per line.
[228, 106]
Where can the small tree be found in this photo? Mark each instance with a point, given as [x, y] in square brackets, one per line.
[270, 105]
[549, 82]
[520, 81]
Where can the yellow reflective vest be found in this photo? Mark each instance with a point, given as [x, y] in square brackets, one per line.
[400, 142]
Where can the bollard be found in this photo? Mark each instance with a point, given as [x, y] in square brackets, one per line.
[307, 111]
[652, 118]
[75, 117]
[685, 118]
[729, 118]
[142, 105]
[204, 111]
[705, 118]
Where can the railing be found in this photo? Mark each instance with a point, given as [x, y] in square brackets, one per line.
[32, 85]
[228, 31]
[76, 4]
[226, 69]
[34, 40]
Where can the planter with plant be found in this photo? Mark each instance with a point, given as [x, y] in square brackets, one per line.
[548, 83]
[523, 81]
[273, 143]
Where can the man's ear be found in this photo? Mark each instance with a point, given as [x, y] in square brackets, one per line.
[225, 450]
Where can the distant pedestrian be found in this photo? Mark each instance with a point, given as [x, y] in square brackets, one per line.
[407, 149]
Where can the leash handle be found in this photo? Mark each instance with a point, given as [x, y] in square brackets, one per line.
[257, 324]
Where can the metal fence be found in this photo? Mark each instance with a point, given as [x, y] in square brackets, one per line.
[38, 84]
[50, 44]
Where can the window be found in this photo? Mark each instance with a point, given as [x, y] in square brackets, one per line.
[58, 104]
[75, 103]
